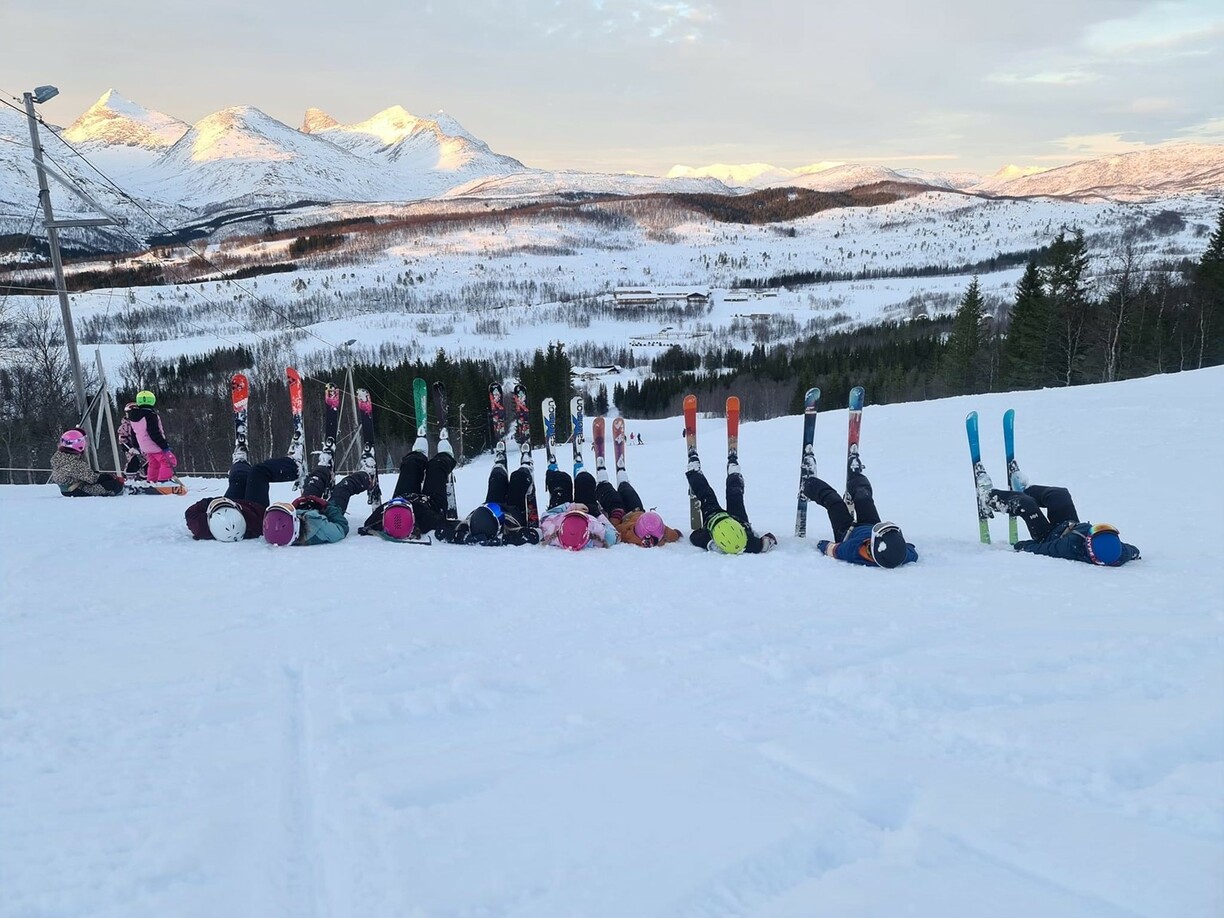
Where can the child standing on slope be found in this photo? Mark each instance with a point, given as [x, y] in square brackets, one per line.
[146, 427]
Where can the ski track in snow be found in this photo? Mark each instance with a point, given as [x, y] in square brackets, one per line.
[375, 729]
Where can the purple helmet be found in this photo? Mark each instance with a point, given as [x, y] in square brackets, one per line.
[398, 519]
[575, 531]
[649, 528]
[73, 440]
[281, 525]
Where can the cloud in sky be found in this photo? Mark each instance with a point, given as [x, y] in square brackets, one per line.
[645, 84]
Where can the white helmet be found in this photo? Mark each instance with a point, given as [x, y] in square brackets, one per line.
[225, 520]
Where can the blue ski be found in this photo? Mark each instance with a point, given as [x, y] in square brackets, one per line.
[981, 480]
[1009, 447]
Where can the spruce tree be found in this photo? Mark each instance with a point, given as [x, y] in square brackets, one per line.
[1069, 306]
[1026, 352]
[965, 342]
[1209, 284]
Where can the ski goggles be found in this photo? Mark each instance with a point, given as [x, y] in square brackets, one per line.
[1104, 544]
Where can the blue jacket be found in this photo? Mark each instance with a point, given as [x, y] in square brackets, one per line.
[1067, 542]
[323, 526]
[848, 549]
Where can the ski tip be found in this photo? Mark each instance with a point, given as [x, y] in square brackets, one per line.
[858, 395]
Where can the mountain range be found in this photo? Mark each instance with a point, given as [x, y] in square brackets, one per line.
[242, 159]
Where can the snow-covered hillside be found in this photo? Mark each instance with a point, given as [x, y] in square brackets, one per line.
[1176, 169]
[371, 729]
[540, 184]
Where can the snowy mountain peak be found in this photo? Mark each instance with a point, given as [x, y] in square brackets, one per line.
[317, 120]
[752, 175]
[117, 120]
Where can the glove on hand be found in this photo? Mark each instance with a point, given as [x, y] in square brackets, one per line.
[310, 502]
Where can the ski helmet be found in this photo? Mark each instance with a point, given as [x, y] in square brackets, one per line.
[225, 520]
[728, 534]
[1104, 544]
[281, 525]
[485, 521]
[575, 530]
[398, 520]
[145, 398]
[649, 528]
[74, 440]
[887, 544]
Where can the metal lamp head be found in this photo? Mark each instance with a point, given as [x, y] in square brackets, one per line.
[44, 93]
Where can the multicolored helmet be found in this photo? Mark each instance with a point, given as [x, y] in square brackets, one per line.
[398, 520]
[74, 440]
[145, 398]
[887, 544]
[649, 528]
[1104, 544]
[728, 534]
[575, 531]
[281, 525]
[225, 520]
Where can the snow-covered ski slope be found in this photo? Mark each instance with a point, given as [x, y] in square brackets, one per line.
[371, 729]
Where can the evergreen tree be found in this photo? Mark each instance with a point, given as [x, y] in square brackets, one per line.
[1026, 353]
[1209, 283]
[961, 360]
[1069, 306]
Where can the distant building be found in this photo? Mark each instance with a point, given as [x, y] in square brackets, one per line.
[650, 296]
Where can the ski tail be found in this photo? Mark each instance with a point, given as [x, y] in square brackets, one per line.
[855, 424]
[807, 458]
[369, 464]
[442, 407]
[497, 413]
[548, 410]
[297, 446]
[579, 434]
[981, 481]
[1009, 447]
[690, 443]
[420, 403]
[240, 391]
[597, 445]
[618, 447]
[331, 424]
[733, 419]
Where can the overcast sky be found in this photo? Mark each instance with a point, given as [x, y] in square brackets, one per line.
[641, 85]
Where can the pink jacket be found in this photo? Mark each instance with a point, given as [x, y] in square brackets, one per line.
[147, 428]
[602, 532]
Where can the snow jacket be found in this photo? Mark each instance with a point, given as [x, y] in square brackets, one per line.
[625, 531]
[856, 548]
[197, 518]
[74, 476]
[600, 529]
[320, 527]
[1067, 542]
[146, 427]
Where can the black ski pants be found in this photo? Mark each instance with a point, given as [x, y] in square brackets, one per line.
[620, 497]
[562, 489]
[1027, 505]
[865, 512]
[421, 475]
[250, 483]
[709, 500]
[510, 491]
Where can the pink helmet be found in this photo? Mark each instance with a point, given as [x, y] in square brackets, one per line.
[73, 440]
[281, 525]
[649, 528]
[398, 520]
[575, 531]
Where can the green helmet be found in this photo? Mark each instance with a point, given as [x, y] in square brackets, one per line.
[146, 398]
[728, 534]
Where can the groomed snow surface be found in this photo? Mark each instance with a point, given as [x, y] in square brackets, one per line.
[371, 729]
